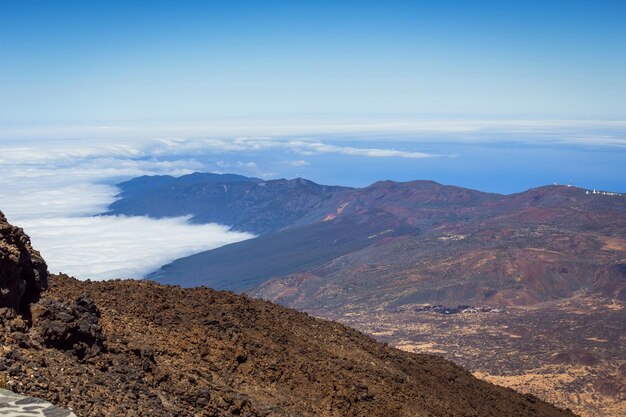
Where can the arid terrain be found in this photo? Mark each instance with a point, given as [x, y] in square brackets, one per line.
[355, 208]
[569, 352]
[392, 243]
[548, 264]
[136, 348]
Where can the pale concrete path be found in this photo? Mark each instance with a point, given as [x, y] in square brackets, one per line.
[15, 405]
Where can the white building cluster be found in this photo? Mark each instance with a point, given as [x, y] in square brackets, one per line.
[601, 192]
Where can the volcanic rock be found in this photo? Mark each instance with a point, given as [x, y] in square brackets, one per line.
[23, 272]
[71, 327]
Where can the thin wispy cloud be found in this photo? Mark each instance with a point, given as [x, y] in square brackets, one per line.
[297, 163]
[316, 148]
[158, 148]
[173, 134]
[261, 144]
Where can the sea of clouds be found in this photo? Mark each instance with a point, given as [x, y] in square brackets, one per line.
[55, 181]
[56, 188]
[55, 191]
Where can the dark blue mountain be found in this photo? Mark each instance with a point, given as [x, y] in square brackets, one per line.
[246, 204]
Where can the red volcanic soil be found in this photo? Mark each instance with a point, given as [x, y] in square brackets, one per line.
[136, 348]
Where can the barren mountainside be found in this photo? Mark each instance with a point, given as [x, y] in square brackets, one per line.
[137, 348]
[247, 204]
[158, 350]
[484, 279]
[398, 243]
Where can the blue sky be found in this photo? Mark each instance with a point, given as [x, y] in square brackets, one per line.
[498, 96]
[67, 61]
[501, 96]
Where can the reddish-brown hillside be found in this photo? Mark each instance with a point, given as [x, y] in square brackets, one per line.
[136, 348]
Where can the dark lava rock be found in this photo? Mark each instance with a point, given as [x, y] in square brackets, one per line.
[23, 272]
[439, 309]
[71, 327]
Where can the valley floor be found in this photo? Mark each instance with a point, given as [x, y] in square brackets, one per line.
[570, 353]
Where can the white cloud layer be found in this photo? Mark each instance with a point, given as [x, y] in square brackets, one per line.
[54, 188]
[118, 246]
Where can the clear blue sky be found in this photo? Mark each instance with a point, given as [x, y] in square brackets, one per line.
[110, 60]
[156, 64]
[93, 92]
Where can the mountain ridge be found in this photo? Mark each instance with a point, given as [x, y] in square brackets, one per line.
[245, 204]
[450, 244]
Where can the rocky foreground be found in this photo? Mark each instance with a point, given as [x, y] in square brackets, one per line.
[133, 348]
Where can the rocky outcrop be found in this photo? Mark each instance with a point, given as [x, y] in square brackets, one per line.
[23, 272]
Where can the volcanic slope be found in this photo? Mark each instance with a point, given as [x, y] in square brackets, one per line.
[137, 348]
[550, 260]
[400, 243]
[542, 245]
